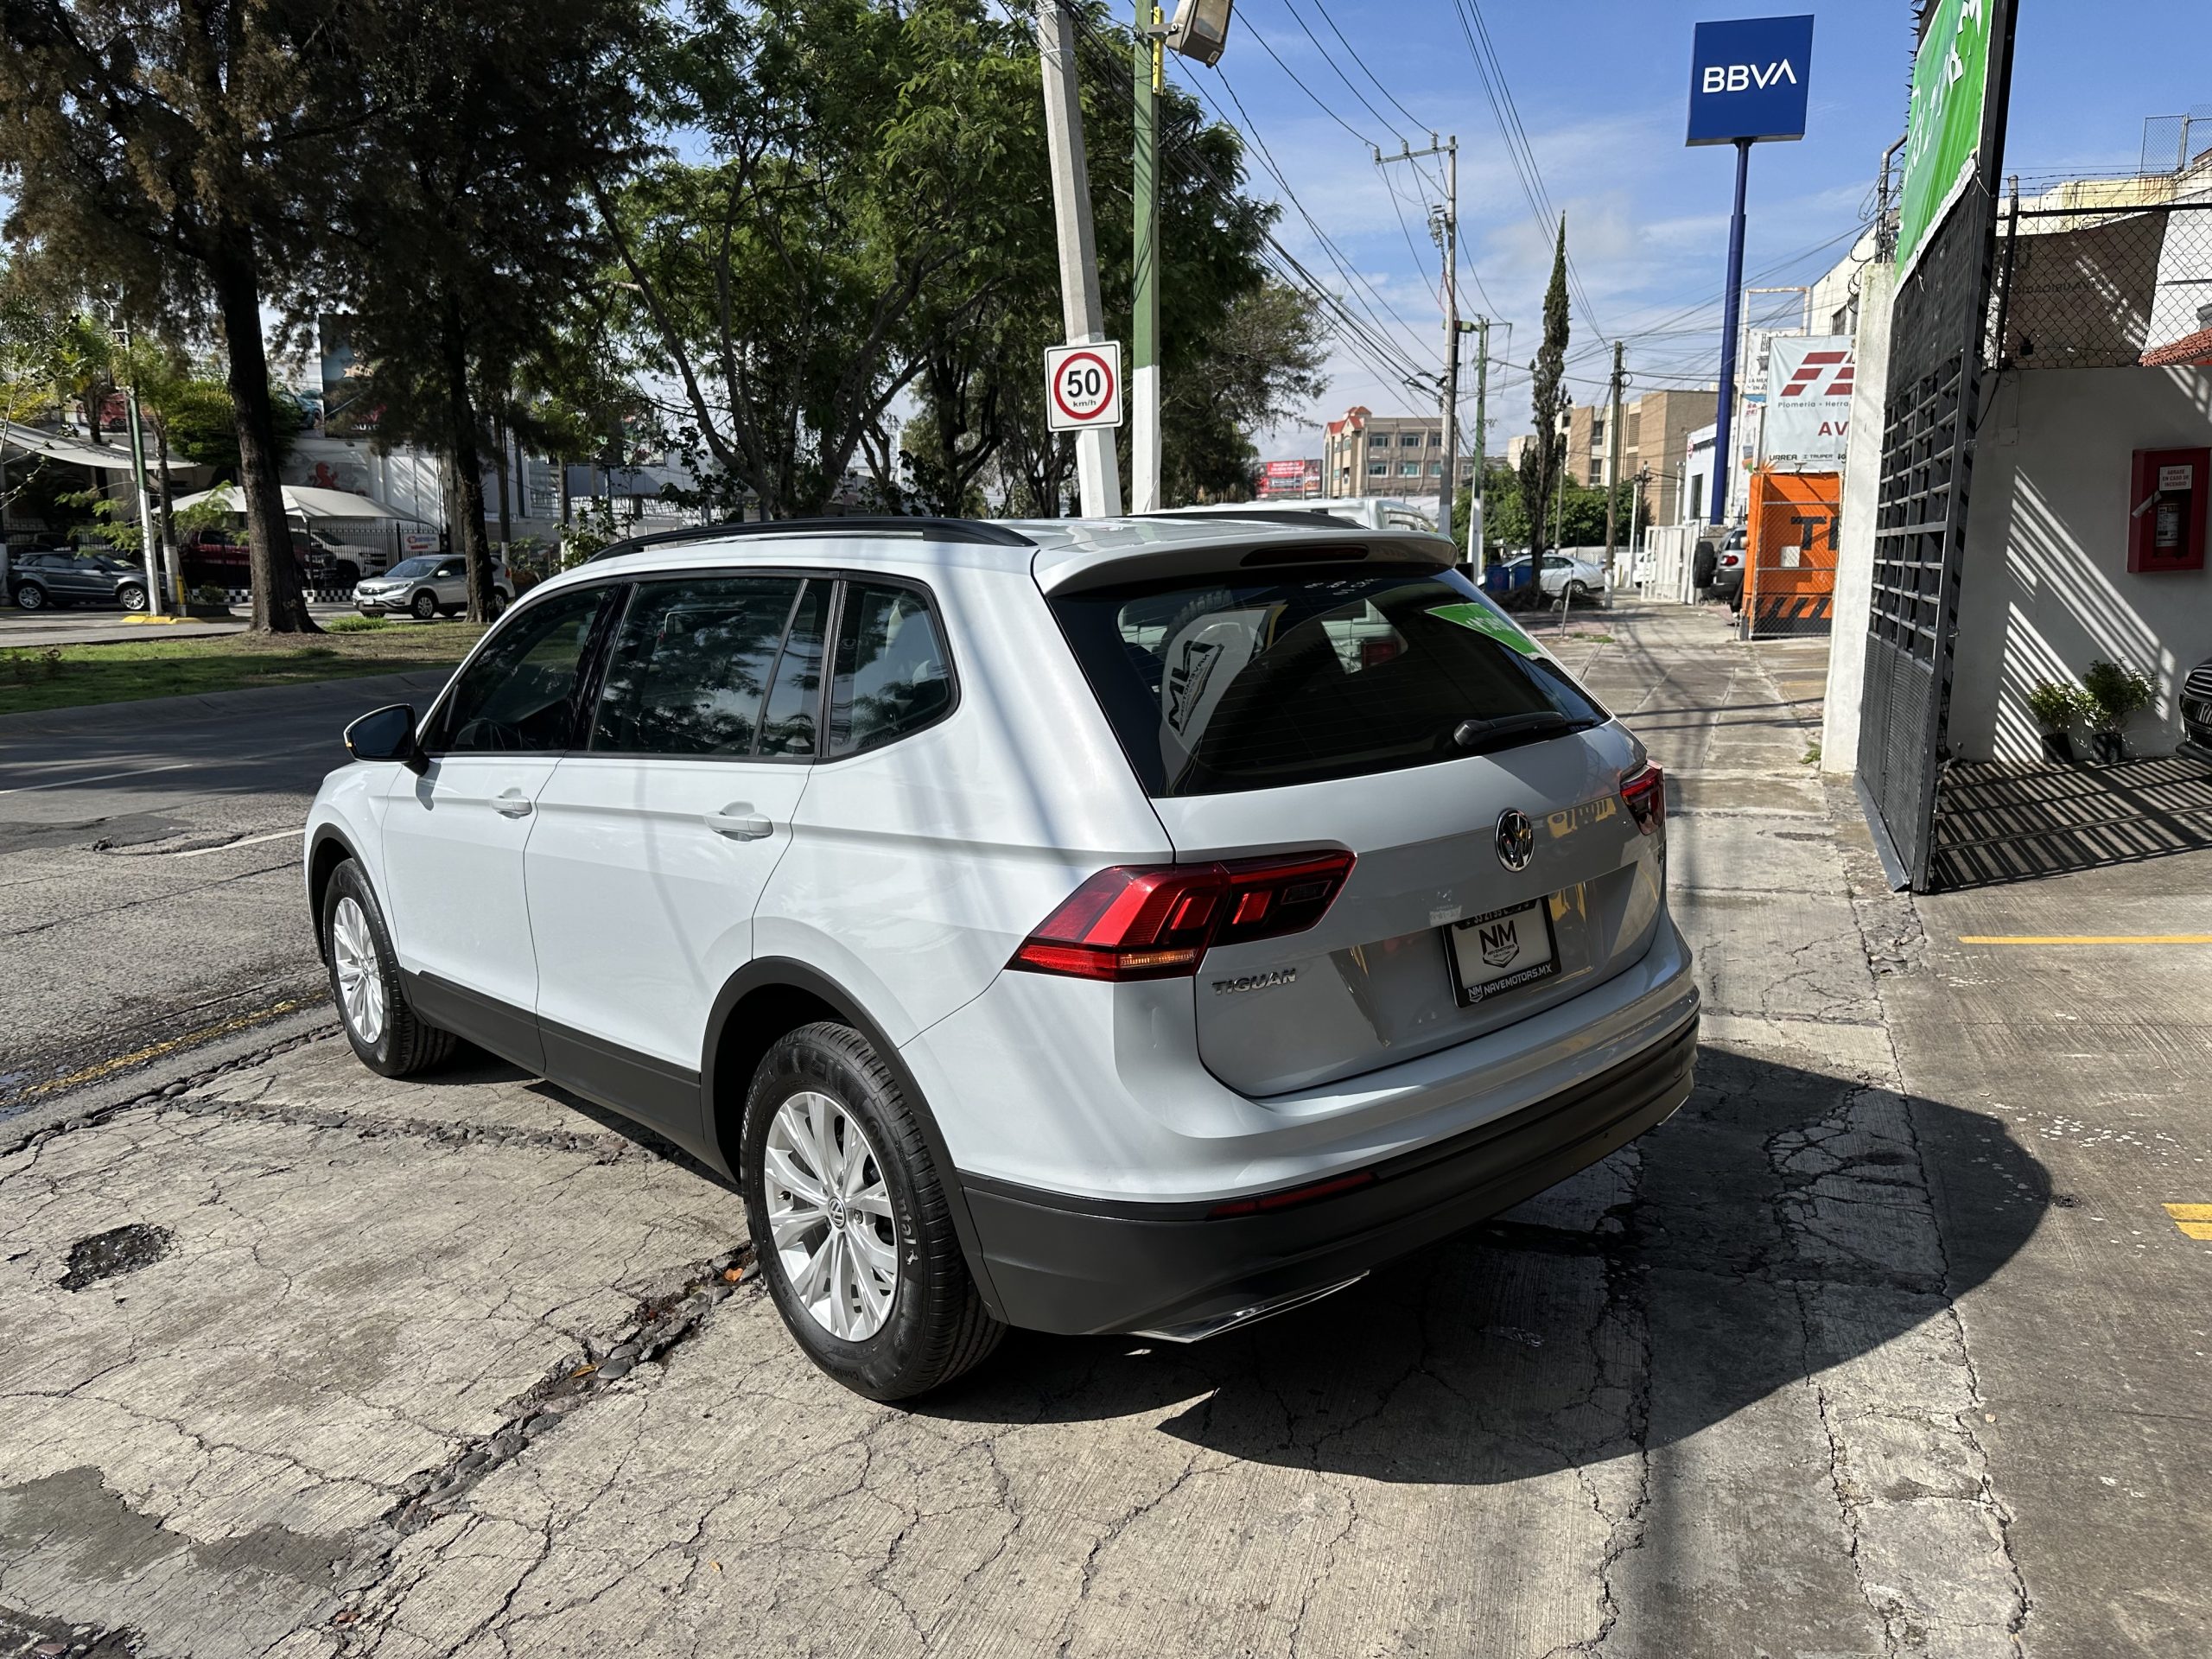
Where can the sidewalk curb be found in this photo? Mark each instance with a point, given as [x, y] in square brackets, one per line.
[211, 705]
[81, 1107]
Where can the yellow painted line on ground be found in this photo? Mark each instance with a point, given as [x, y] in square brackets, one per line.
[2195, 1220]
[154, 1050]
[2085, 938]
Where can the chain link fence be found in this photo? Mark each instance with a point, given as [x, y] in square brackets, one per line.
[2092, 284]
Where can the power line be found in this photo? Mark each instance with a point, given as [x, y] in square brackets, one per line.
[1352, 51]
[1326, 57]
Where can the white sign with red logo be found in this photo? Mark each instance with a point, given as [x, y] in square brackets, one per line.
[1083, 385]
[1809, 381]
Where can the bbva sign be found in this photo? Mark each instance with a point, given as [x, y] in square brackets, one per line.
[1749, 79]
[1736, 77]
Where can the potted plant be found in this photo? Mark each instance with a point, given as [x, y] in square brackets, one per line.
[2116, 695]
[2055, 707]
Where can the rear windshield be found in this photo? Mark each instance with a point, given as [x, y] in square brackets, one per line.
[1215, 685]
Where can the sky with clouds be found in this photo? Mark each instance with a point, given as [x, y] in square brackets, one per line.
[1601, 89]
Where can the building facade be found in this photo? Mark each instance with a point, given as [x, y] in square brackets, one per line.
[1655, 433]
[1366, 454]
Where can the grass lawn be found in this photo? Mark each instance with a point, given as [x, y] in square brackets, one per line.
[68, 676]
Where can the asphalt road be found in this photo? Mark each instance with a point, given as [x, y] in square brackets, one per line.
[148, 869]
[1885, 1344]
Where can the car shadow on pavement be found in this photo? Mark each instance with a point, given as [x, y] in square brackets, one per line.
[1779, 1226]
[472, 1067]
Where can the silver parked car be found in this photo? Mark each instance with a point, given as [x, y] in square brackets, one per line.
[428, 586]
[1126, 925]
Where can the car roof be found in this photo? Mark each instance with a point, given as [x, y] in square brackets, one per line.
[1060, 553]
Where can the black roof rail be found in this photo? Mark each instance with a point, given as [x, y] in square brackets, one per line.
[936, 529]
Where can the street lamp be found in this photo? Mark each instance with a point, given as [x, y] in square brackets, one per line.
[1200, 29]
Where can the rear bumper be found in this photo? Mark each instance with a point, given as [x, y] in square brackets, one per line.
[1079, 1266]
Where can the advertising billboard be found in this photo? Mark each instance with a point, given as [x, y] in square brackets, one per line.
[1749, 78]
[1290, 478]
[1950, 86]
[1809, 380]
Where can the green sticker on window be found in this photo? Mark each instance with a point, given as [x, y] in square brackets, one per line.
[1483, 619]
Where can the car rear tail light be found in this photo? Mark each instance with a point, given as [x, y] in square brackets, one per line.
[1158, 921]
[1644, 793]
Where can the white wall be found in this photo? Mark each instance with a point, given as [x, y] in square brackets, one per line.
[2045, 584]
[1855, 559]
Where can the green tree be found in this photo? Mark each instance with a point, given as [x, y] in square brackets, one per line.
[871, 171]
[184, 154]
[470, 235]
[1540, 461]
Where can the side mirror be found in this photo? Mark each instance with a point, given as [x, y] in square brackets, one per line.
[385, 733]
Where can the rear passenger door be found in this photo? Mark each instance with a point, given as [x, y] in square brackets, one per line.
[652, 844]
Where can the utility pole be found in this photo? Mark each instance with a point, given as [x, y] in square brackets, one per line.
[1144, 272]
[1613, 458]
[1445, 228]
[149, 553]
[1098, 475]
[1480, 498]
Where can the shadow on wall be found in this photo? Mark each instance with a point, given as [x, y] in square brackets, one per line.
[1775, 1229]
[2046, 589]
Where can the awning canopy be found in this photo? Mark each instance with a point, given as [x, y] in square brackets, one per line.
[305, 499]
[18, 439]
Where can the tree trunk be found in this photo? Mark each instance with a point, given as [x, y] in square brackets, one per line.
[466, 474]
[279, 607]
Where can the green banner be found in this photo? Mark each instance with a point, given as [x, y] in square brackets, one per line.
[1950, 85]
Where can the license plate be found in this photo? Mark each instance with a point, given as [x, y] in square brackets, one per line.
[1501, 951]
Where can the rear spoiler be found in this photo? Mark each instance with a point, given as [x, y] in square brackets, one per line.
[1246, 549]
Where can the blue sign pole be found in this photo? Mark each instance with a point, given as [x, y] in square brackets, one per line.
[1724, 460]
[1749, 81]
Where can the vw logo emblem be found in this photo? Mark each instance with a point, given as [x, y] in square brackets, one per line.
[1516, 839]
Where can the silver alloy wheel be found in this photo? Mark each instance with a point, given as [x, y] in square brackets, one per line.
[360, 977]
[829, 1216]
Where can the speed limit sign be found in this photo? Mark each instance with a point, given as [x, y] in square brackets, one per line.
[1083, 385]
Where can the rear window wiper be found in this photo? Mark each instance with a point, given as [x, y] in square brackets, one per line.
[1477, 736]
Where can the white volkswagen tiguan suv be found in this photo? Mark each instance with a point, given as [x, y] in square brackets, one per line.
[1131, 926]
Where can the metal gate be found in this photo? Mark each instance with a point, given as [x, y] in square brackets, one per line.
[1938, 339]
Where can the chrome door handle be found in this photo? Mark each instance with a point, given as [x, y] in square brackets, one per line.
[511, 804]
[740, 823]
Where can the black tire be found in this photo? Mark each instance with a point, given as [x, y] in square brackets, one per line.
[347, 575]
[30, 596]
[498, 602]
[405, 1045]
[131, 597]
[938, 1327]
[1578, 593]
[424, 605]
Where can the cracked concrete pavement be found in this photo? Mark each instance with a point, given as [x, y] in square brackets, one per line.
[465, 1367]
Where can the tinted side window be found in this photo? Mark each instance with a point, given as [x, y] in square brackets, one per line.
[690, 666]
[518, 694]
[891, 674]
[795, 694]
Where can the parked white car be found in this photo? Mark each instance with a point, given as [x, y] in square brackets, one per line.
[1134, 926]
[427, 586]
[1581, 579]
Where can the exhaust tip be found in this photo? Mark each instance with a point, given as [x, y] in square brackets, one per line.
[1199, 1330]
